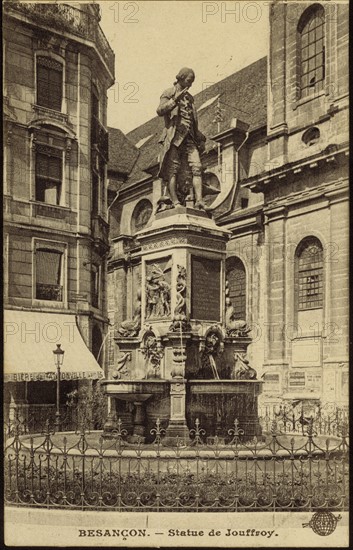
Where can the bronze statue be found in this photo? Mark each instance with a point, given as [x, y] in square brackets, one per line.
[181, 139]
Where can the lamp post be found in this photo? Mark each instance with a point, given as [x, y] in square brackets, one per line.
[58, 360]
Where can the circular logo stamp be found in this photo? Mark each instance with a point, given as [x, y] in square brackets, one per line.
[323, 523]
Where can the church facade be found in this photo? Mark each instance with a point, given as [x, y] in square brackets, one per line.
[277, 152]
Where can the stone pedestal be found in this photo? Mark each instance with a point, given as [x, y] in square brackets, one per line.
[177, 427]
[139, 429]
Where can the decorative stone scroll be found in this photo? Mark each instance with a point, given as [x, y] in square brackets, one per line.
[180, 318]
[121, 369]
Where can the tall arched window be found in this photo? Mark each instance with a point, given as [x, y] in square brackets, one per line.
[309, 274]
[236, 278]
[311, 46]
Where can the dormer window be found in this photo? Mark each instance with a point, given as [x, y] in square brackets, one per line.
[311, 34]
[49, 83]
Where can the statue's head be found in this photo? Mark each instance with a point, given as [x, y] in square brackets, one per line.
[185, 77]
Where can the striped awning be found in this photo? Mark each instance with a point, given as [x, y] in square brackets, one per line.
[29, 341]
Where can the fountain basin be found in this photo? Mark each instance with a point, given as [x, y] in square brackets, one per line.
[220, 387]
[135, 390]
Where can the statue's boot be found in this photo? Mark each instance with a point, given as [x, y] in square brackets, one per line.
[197, 184]
[172, 191]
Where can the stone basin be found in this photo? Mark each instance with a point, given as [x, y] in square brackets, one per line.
[220, 387]
[135, 390]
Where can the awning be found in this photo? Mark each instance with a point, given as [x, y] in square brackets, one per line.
[30, 338]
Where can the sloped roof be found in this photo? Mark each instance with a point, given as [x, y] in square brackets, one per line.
[242, 95]
[122, 153]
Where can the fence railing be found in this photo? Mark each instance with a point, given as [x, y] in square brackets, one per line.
[82, 470]
[293, 420]
[37, 419]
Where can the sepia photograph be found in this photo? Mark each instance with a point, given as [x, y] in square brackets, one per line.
[176, 273]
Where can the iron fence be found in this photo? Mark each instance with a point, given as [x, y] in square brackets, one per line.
[83, 470]
[38, 419]
[291, 419]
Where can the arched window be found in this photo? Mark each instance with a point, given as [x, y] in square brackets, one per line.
[141, 215]
[236, 278]
[311, 46]
[309, 274]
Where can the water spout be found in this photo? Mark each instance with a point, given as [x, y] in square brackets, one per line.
[214, 367]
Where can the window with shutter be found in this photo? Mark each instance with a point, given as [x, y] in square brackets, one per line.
[48, 175]
[49, 275]
[49, 83]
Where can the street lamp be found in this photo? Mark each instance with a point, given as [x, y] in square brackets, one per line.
[58, 360]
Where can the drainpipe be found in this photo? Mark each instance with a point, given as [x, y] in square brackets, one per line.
[113, 201]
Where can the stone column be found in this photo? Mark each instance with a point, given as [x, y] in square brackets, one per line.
[110, 423]
[177, 426]
[138, 434]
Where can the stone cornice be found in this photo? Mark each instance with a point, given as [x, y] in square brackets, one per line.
[261, 182]
[327, 193]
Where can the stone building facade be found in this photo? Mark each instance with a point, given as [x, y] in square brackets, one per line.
[277, 150]
[58, 67]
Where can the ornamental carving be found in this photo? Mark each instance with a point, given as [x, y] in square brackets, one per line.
[211, 349]
[153, 354]
[180, 317]
[131, 328]
[121, 369]
[158, 290]
[242, 369]
[199, 242]
[235, 328]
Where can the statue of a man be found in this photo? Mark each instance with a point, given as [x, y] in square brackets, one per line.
[181, 139]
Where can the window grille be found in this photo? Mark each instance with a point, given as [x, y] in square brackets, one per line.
[310, 275]
[312, 50]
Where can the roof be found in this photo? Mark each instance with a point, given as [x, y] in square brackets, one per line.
[242, 95]
[122, 152]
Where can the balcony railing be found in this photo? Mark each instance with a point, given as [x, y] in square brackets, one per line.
[49, 292]
[67, 18]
